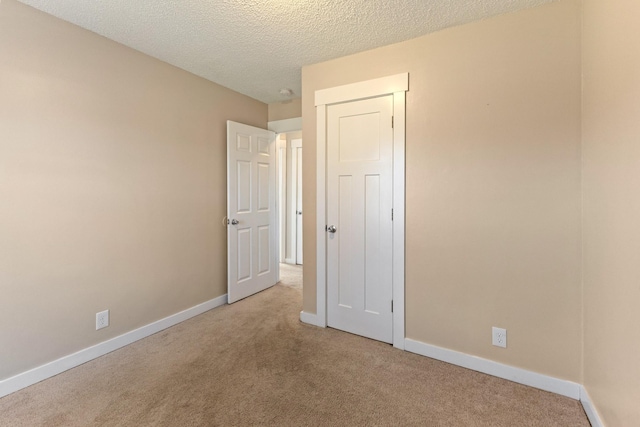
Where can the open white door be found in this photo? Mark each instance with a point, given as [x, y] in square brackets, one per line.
[251, 210]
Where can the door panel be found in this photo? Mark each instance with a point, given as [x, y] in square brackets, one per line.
[263, 187]
[251, 209]
[244, 186]
[359, 204]
[244, 254]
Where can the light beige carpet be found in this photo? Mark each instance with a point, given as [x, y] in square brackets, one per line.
[254, 363]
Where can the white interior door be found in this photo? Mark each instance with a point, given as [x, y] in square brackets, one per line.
[296, 150]
[251, 210]
[359, 215]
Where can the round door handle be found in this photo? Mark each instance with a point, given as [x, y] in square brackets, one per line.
[235, 222]
[331, 229]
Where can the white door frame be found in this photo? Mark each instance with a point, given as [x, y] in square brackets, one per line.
[280, 127]
[281, 198]
[395, 85]
[295, 189]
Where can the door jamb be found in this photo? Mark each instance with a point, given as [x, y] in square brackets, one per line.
[395, 85]
[295, 143]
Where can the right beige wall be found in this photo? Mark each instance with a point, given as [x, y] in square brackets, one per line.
[493, 206]
[611, 229]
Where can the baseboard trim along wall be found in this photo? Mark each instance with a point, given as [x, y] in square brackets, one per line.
[589, 409]
[35, 375]
[309, 318]
[518, 375]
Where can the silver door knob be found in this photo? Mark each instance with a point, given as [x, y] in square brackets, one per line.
[331, 229]
[234, 222]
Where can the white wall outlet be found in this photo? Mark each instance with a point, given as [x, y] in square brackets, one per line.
[102, 319]
[499, 337]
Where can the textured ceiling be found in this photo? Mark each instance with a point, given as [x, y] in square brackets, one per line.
[257, 47]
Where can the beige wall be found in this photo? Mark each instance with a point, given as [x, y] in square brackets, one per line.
[493, 184]
[611, 170]
[112, 186]
[290, 109]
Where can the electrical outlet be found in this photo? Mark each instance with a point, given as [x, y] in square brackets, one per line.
[102, 319]
[499, 337]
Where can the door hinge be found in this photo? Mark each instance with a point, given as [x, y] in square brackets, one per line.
[392, 122]
[391, 214]
[392, 306]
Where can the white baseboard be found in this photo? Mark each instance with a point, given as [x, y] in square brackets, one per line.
[590, 409]
[35, 375]
[518, 375]
[309, 318]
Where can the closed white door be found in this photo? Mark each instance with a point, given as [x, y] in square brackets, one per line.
[251, 210]
[296, 149]
[359, 215]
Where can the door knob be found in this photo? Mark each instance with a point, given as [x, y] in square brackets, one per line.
[331, 229]
[299, 212]
[234, 222]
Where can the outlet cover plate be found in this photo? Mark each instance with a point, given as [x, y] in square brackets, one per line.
[499, 337]
[102, 319]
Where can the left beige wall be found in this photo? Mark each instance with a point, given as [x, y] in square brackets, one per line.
[113, 185]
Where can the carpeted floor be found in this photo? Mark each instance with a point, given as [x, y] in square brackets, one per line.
[254, 363]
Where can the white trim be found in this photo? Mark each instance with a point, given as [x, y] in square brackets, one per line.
[281, 199]
[367, 89]
[293, 211]
[309, 318]
[396, 85]
[35, 375]
[287, 125]
[589, 408]
[518, 375]
[321, 217]
[398, 217]
[290, 261]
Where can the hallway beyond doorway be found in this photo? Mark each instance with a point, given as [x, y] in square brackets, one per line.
[291, 275]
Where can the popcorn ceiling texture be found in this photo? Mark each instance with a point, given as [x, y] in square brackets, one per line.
[257, 47]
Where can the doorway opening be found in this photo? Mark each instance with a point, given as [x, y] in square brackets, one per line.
[289, 201]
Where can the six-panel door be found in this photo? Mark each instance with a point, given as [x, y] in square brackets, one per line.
[252, 260]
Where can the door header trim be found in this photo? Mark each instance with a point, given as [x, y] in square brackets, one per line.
[366, 89]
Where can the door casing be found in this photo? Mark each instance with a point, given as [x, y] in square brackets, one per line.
[296, 201]
[395, 85]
